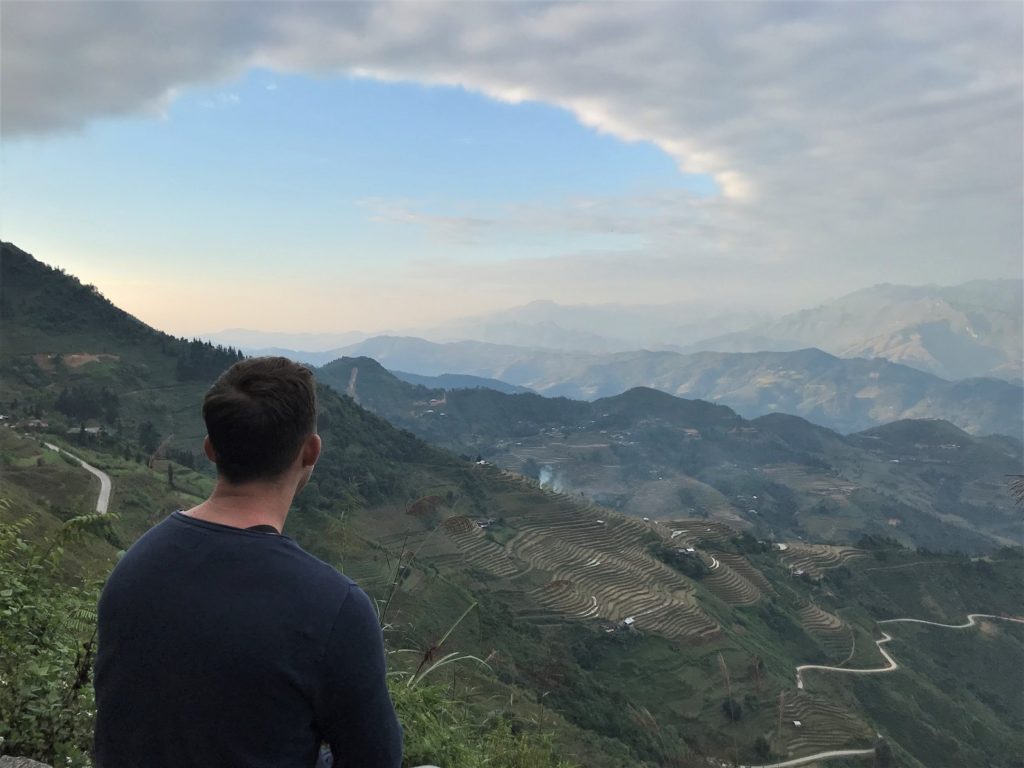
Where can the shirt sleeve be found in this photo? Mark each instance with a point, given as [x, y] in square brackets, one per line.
[354, 711]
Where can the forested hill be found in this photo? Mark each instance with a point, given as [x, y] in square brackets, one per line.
[46, 311]
[42, 307]
[71, 356]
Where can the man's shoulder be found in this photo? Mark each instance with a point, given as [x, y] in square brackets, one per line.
[182, 539]
[325, 574]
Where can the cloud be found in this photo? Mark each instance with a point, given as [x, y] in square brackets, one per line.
[876, 134]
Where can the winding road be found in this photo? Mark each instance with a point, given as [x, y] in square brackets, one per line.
[103, 500]
[970, 621]
[891, 666]
[820, 756]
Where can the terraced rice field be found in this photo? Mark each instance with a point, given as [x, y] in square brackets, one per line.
[727, 584]
[824, 726]
[829, 629]
[697, 531]
[479, 551]
[600, 569]
[564, 598]
[813, 559]
[746, 569]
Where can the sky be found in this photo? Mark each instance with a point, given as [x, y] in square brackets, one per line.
[329, 166]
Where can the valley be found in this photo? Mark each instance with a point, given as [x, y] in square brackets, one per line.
[642, 593]
[648, 454]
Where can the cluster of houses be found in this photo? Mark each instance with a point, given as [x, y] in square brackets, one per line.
[42, 425]
[33, 424]
[627, 623]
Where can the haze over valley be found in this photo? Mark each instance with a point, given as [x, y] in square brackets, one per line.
[966, 331]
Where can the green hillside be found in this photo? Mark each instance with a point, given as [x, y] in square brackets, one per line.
[926, 483]
[618, 641]
[847, 395]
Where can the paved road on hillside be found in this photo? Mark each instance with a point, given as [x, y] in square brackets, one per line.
[891, 666]
[103, 500]
[820, 756]
[970, 621]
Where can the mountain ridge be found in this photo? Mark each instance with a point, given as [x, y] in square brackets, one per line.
[848, 395]
[644, 451]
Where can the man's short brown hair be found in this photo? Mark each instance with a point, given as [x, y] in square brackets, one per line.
[258, 414]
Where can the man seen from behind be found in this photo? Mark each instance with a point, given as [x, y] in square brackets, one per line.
[221, 642]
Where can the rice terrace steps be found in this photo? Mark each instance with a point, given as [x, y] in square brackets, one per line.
[727, 584]
[479, 551]
[579, 562]
[601, 570]
[829, 629]
[699, 531]
[831, 715]
[813, 559]
[600, 567]
[823, 726]
[746, 569]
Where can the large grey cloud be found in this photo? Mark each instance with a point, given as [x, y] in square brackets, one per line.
[881, 135]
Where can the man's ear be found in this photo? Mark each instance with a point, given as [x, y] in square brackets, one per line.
[311, 450]
[208, 449]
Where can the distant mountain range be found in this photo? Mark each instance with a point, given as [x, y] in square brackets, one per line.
[272, 342]
[956, 332]
[847, 395]
[603, 328]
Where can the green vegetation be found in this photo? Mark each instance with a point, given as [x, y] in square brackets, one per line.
[439, 729]
[926, 483]
[47, 644]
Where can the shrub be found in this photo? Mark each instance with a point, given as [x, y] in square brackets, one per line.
[47, 640]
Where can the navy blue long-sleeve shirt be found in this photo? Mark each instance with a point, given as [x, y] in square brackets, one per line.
[228, 647]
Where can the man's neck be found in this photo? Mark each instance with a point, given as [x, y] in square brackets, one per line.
[243, 506]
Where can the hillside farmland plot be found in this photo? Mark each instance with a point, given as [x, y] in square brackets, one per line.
[727, 584]
[824, 725]
[600, 569]
[835, 636]
[813, 559]
[479, 551]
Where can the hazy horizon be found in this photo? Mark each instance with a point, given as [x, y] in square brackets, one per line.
[402, 331]
[332, 166]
